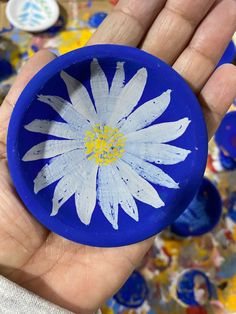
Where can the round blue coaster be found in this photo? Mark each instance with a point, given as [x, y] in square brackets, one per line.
[202, 214]
[133, 293]
[225, 136]
[107, 145]
[229, 54]
[188, 285]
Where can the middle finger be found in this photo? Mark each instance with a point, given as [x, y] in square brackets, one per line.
[174, 27]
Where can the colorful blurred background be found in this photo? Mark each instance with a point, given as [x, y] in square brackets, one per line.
[190, 272]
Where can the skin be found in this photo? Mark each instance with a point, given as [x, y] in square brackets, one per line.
[189, 35]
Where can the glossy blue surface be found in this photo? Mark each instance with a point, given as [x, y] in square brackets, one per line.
[133, 293]
[97, 18]
[225, 136]
[186, 285]
[202, 214]
[188, 173]
[227, 162]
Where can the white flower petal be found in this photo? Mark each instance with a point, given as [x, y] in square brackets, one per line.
[150, 172]
[118, 81]
[85, 196]
[129, 97]
[79, 97]
[53, 128]
[63, 191]
[66, 111]
[160, 133]
[138, 187]
[100, 89]
[68, 186]
[159, 153]
[115, 90]
[125, 198]
[106, 194]
[146, 113]
[57, 168]
[52, 148]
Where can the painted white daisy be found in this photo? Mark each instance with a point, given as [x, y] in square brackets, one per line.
[106, 150]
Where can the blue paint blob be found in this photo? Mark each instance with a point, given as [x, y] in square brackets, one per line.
[6, 30]
[229, 54]
[34, 48]
[191, 281]
[96, 19]
[90, 3]
[232, 207]
[227, 162]
[6, 69]
[225, 136]
[203, 213]
[24, 55]
[134, 292]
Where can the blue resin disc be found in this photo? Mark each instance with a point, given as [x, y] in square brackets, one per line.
[202, 214]
[189, 283]
[107, 145]
[133, 293]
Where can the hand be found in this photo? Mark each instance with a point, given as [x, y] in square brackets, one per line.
[189, 35]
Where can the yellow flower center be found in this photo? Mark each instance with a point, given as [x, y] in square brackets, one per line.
[104, 144]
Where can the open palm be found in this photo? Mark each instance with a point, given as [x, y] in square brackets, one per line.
[189, 35]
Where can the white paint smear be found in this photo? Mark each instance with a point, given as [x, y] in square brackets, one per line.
[150, 172]
[138, 187]
[52, 148]
[160, 133]
[159, 153]
[129, 97]
[100, 89]
[146, 114]
[79, 97]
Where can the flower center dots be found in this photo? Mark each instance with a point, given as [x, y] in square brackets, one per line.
[104, 144]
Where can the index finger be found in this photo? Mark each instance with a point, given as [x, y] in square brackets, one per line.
[128, 22]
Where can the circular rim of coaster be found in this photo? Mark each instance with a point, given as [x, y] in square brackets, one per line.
[132, 235]
[175, 285]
